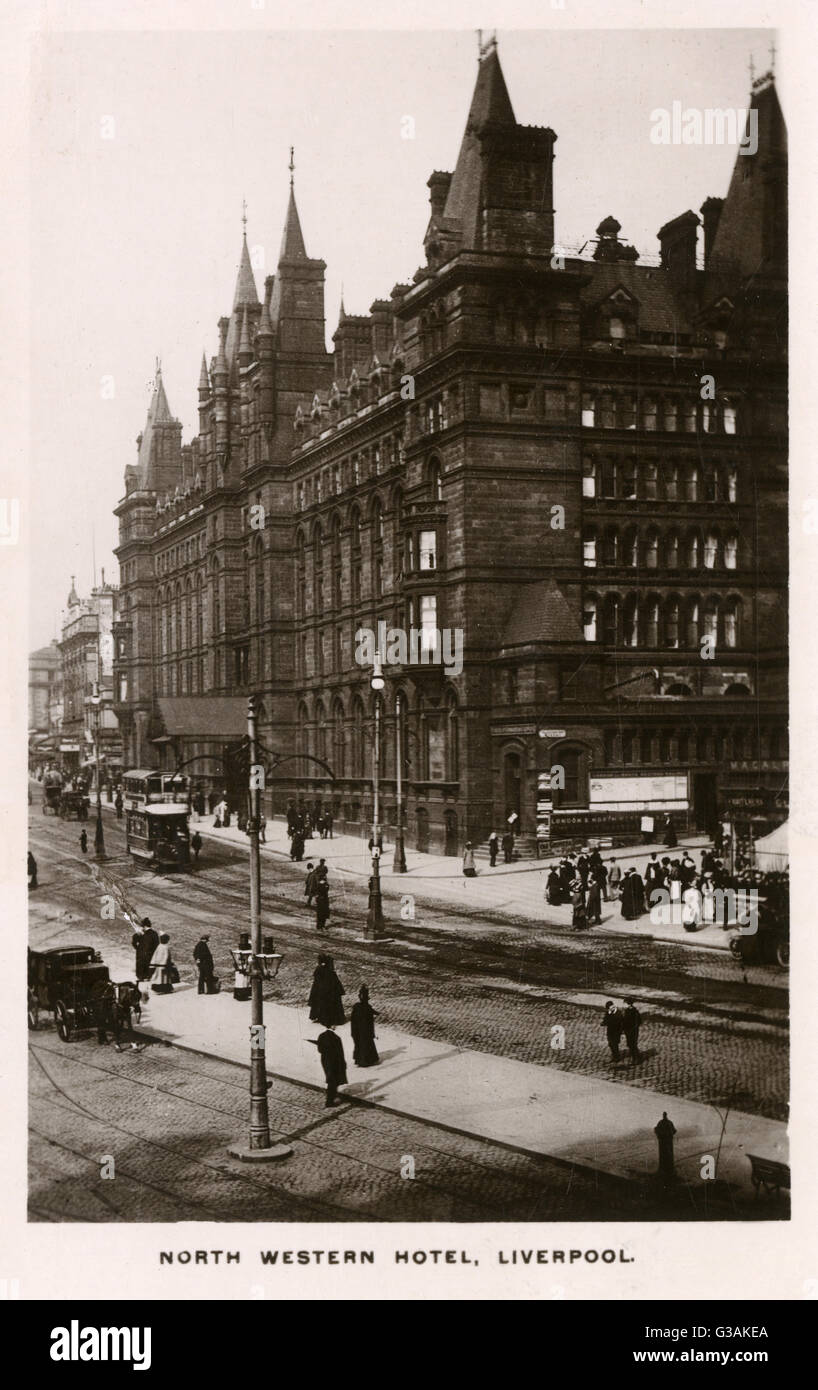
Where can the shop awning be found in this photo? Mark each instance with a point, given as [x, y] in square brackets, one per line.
[203, 716]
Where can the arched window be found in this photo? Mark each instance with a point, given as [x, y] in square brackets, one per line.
[731, 552]
[609, 477]
[589, 619]
[732, 485]
[692, 482]
[616, 328]
[628, 488]
[650, 481]
[337, 564]
[589, 472]
[690, 415]
[320, 731]
[692, 622]
[652, 620]
[711, 550]
[588, 409]
[670, 415]
[338, 740]
[732, 620]
[650, 414]
[589, 555]
[377, 547]
[693, 550]
[610, 546]
[358, 740]
[318, 568]
[452, 741]
[672, 611]
[671, 478]
[672, 550]
[652, 549]
[729, 417]
[630, 547]
[436, 480]
[630, 621]
[680, 689]
[610, 620]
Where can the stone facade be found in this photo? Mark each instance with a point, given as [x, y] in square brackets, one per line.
[578, 464]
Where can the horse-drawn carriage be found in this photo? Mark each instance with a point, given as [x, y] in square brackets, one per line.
[52, 793]
[73, 806]
[73, 984]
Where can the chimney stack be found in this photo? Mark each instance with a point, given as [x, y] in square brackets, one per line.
[711, 212]
[677, 240]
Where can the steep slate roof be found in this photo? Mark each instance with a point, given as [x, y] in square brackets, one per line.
[158, 414]
[659, 309]
[246, 293]
[292, 240]
[541, 613]
[490, 102]
[737, 245]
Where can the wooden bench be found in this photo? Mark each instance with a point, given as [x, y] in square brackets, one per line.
[769, 1174]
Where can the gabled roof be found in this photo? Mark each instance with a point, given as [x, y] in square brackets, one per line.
[659, 309]
[541, 613]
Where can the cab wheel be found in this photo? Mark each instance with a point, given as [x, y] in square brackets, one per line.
[33, 1010]
[62, 1021]
[736, 949]
[782, 953]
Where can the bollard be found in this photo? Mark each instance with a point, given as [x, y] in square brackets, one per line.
[664, 1132]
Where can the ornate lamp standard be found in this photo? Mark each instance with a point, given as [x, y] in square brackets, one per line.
[374, 916]
[99, 835]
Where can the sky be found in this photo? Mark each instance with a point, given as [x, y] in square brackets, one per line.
[144, 146]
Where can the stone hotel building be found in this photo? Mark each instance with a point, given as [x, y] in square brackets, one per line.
[579, 460]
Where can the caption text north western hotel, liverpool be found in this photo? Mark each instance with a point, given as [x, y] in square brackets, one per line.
[418, 1257]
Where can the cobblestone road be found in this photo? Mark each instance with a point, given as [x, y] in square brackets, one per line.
[477, 982]
[166, 1116]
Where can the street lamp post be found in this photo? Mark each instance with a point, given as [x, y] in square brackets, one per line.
[374, 916]
[399, 862]
[260, 1146]
[99, 834]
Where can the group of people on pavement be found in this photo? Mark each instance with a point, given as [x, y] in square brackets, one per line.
[153, 959]
[584, 884]
[316, 887]
[326, 1007]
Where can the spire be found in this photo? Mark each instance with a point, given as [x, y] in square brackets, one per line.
[490, 103]
[159, 413]
[204, 380]
[292, 241]
[73, 597]
[265, 327]
[751, 234]
[246, 292]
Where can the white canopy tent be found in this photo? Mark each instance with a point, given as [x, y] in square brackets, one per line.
[772, 851]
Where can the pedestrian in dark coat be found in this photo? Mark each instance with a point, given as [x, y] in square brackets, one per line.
[144, 943]
[362, 1022]
[196, 845]
[309, 883]
[494, 845]
[328, 824]
[612, 1023]
[326, 995]
[593, 906]
[632, 895]
[579, 919]
[631, 1023]
[331, 1052]
[32, 870]
[508, 846]
[204, 960]
[567, 876]
[553, 888]
[670, 834]
[84, 841]
[321, 904]
[297, 847]
[118, 805]
[664, 1132]
[583, 868]
[600, 874]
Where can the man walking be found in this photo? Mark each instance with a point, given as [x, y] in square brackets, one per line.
[196, 845]
[331, 1052]
[32, 870]
[84, 841]
[204, 960]
[494, 845]
[144, 943]
[309, 883]
[612, 1023]
[631, 1023]
[508, 846]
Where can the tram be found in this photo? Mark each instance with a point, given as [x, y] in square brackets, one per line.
[156, 818]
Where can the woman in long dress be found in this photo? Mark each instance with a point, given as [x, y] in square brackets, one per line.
[469, 869]
[326, 995]
[579, 919]
[162, 967]
[362, 1019]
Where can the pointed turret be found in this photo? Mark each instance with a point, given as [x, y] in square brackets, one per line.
[245, 347]
[73, 597]
[292, 241]
[204, 381]
[751, 231]
[500, 196]
[159, 458]
[245, 297]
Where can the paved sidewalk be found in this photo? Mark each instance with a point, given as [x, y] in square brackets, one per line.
[595, 1124]
[517, 888]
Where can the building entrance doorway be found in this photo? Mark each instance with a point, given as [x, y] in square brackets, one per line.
[511, 783]
[704, 800]
[450, 824]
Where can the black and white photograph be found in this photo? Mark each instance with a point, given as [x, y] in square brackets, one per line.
[408, 822]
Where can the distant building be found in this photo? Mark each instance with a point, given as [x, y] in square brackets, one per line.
[87, 660]
[43, 683]
[578, 464]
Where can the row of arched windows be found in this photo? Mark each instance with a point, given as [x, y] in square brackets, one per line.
[650, 548]
[656, 620]
[616, 410]
[343, 738]
[630, 479]
[738, 742]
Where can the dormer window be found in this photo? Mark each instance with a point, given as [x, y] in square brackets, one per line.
[616, 329]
